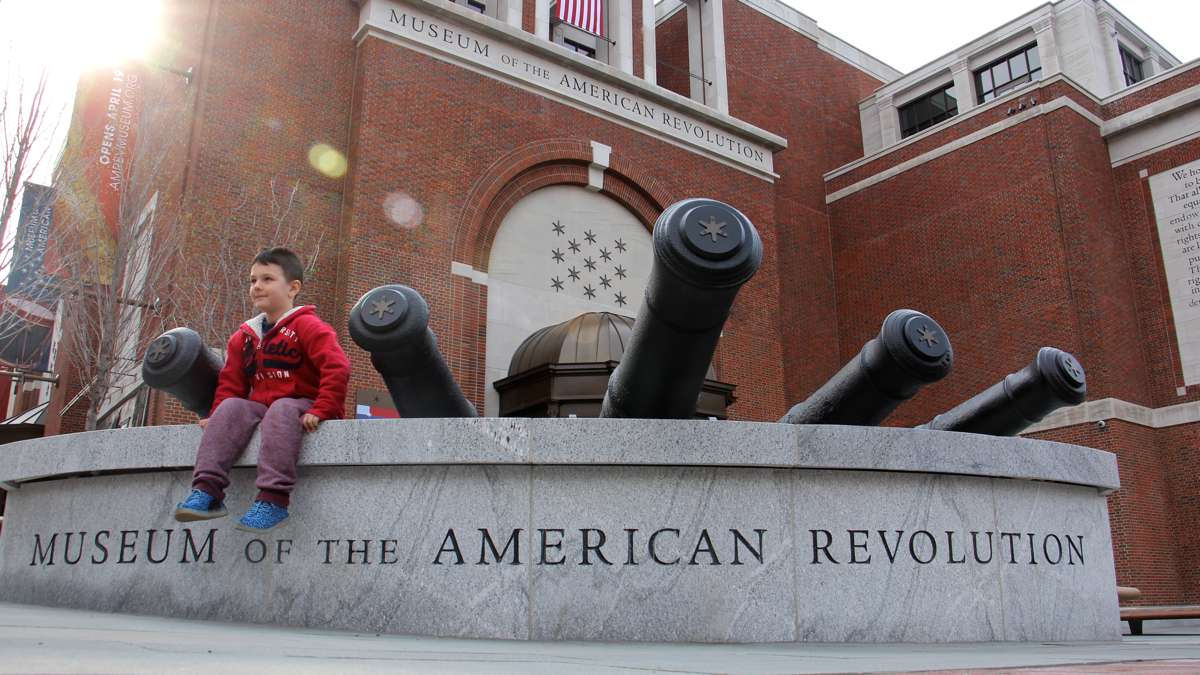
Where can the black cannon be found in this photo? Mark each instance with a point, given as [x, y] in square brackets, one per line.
[910, 351]
[392, 324]
[178, 363]
[704, 251]
[1054, 380]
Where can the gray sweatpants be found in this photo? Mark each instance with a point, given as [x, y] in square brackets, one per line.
[229, 430]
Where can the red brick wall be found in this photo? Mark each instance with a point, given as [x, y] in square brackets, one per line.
[810, 97]
[1150, 542]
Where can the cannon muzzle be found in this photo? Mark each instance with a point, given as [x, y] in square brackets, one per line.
[392, 323]
[178, 363]
[1054, 380]
[910, 351]
[704, 250]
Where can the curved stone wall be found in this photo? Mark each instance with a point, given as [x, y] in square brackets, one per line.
[587, 529]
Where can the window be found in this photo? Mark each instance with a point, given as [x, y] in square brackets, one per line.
[574, 46]
[488, 7]
[578, 40]
[927, 111]
[1008, 73]
[1132, 66]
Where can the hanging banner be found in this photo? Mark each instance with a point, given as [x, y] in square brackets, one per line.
[33, 232]
[97, 163]
[25, 328]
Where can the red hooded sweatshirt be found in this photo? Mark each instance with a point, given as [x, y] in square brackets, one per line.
[298, 358]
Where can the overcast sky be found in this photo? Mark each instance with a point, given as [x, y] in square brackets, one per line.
[911, 33]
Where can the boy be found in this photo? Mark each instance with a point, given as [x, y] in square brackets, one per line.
[284, 368]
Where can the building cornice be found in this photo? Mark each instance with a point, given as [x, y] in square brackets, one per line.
[1107, 409]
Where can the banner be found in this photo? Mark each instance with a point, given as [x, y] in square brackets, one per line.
[97, 163]
[25, 329]
[33, 232]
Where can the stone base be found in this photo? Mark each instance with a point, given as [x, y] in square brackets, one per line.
[511, 529]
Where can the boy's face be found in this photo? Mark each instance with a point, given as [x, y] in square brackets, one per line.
[270, 291]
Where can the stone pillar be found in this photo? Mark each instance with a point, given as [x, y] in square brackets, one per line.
[695, 51]
[1047, 46]
[1150, 66]
[889, 122]
[620, 26]
[964, 91]
[541, 19]
[510, 13]
[649, 49]
[712, 20]
[1112, 57]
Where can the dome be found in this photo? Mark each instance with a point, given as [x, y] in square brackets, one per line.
[594, 337]
[563, 370]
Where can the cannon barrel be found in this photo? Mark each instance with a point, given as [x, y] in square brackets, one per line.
[178, 363]
[1053, 380]
[392, 324]
[704, 250]
[910, 351]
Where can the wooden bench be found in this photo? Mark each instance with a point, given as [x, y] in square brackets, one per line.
[1136, 615]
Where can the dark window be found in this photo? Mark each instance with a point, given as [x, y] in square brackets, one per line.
[928, 111]
[1132, 67]
[574, 46]
[1007, 73]
[473, 5]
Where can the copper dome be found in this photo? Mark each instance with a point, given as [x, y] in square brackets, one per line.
[563, 370]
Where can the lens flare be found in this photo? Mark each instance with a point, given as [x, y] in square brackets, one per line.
[327, 160]
[403, 210]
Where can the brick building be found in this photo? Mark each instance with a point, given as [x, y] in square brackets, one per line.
[509, 167]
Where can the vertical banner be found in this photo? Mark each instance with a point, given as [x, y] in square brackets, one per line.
[33, 232]
[97, 163]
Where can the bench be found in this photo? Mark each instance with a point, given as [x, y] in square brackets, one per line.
[1136, 615]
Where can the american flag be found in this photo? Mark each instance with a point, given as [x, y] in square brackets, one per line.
[585, 14]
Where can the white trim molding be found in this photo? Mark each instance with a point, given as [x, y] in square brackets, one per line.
[1106, 409]
[466, 271]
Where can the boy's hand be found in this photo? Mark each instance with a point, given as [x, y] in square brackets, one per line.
[203, 422]
[310, 421]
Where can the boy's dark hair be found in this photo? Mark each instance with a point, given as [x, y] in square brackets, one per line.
[293, 269]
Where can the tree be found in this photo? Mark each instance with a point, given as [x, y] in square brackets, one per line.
[27, 126]
[110, 257]
[263, 215]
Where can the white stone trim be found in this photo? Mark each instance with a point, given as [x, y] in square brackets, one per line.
[600, 157]
[1156, 149]
[1035, 111]
[1116, 409]
[466, 271]
[1163, 106]
[649, 44]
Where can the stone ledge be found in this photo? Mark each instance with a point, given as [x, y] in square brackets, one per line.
[585, 442]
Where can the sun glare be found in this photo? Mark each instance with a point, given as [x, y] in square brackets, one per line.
[107, 33]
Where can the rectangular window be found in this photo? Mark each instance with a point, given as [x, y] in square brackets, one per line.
[1132, 66]
[481, 6]
[574, 46]
[1008, 73]
[927, 111]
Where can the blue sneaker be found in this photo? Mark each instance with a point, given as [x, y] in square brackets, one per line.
[199, 506]
[261, 517]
